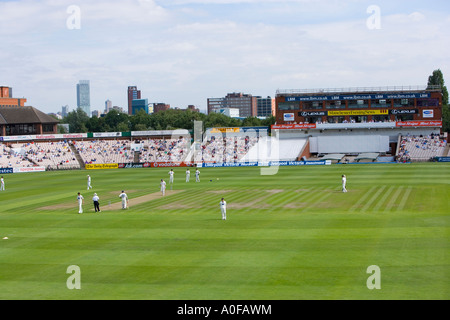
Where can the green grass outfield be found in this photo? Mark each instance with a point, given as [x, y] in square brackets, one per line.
[288, 236]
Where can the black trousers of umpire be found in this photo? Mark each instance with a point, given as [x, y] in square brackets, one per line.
[96, 206]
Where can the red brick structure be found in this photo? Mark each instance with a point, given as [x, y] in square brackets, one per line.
[6, 98]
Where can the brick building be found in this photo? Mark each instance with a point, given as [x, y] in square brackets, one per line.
[6, 98]
[16, 121]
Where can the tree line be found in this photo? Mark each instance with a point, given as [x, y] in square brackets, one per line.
[117, 121]
[437, 78]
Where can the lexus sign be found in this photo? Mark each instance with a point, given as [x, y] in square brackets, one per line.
[403, 111]
[312, 114]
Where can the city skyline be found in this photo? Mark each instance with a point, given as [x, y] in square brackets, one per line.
[182, 52]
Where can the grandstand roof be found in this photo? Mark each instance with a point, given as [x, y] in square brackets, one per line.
[18, 115]
[370, 156]
[333, 156]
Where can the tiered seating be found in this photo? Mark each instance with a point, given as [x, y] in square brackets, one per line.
[52, 155]
[228, 149]
[11, 159]
[105, 151]
[160, 150]
[421, 148]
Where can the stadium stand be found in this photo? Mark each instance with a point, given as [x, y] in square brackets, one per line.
[160, 150]
[420, 148]
[13, 157]
[105, 151]
[52, 155]
[225, 149]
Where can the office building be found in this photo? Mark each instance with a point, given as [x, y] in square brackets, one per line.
[265, 106]
[84, 96]
[139, 104]
[133, 94]
[108, 106]
[64, 111]
[157, 107]
[246, 103]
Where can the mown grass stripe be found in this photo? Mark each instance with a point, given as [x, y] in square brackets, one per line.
[404, 199]
[283, 198]
[383, 199]
[315, 197]
[374, 197]
[179, 252]
[392, 200]
[327, 194]
[362, 199]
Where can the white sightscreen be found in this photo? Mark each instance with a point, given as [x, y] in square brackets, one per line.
[350, 144]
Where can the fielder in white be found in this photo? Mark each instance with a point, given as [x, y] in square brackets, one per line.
[163, 187]
[344, 183]
[124, 198]
[223, 209]
[80, 203]
[89, 182]
[2, 186]
[197, 175]
[171, 173]
[188, 175]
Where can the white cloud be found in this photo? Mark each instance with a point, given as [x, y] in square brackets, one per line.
[212, 2]
[175, 58]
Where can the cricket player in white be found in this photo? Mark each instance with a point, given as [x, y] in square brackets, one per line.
[197, 175]
[80, 203]
[188, 175]
[2, 186]
[223, 209]
[171, 173]
[124, 198]
[163, 187]
[344, 183]
[89, 182]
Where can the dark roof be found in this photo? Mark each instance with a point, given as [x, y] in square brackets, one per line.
[19, 115]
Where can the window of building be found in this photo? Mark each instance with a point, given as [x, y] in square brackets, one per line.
[358, 103]
[288, 106]
[427, 102]
[336, 104]
[380, 103]
[336, 119]
[358, 119]
[404, 117]
[308, 105]
[380, 118]
[313, 119]
[18, 129]
[47, 128]
[398, 103]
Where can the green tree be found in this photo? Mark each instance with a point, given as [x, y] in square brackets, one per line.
[251, 122]
[268, 121]
[77, 121]
[437, 78]
[140, 121]
[95, 124]
[446, 118]
[114, 117]
[220, 120]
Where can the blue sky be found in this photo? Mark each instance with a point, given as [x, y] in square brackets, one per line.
[182, 52]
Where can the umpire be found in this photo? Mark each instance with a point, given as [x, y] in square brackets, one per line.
[96, 203]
